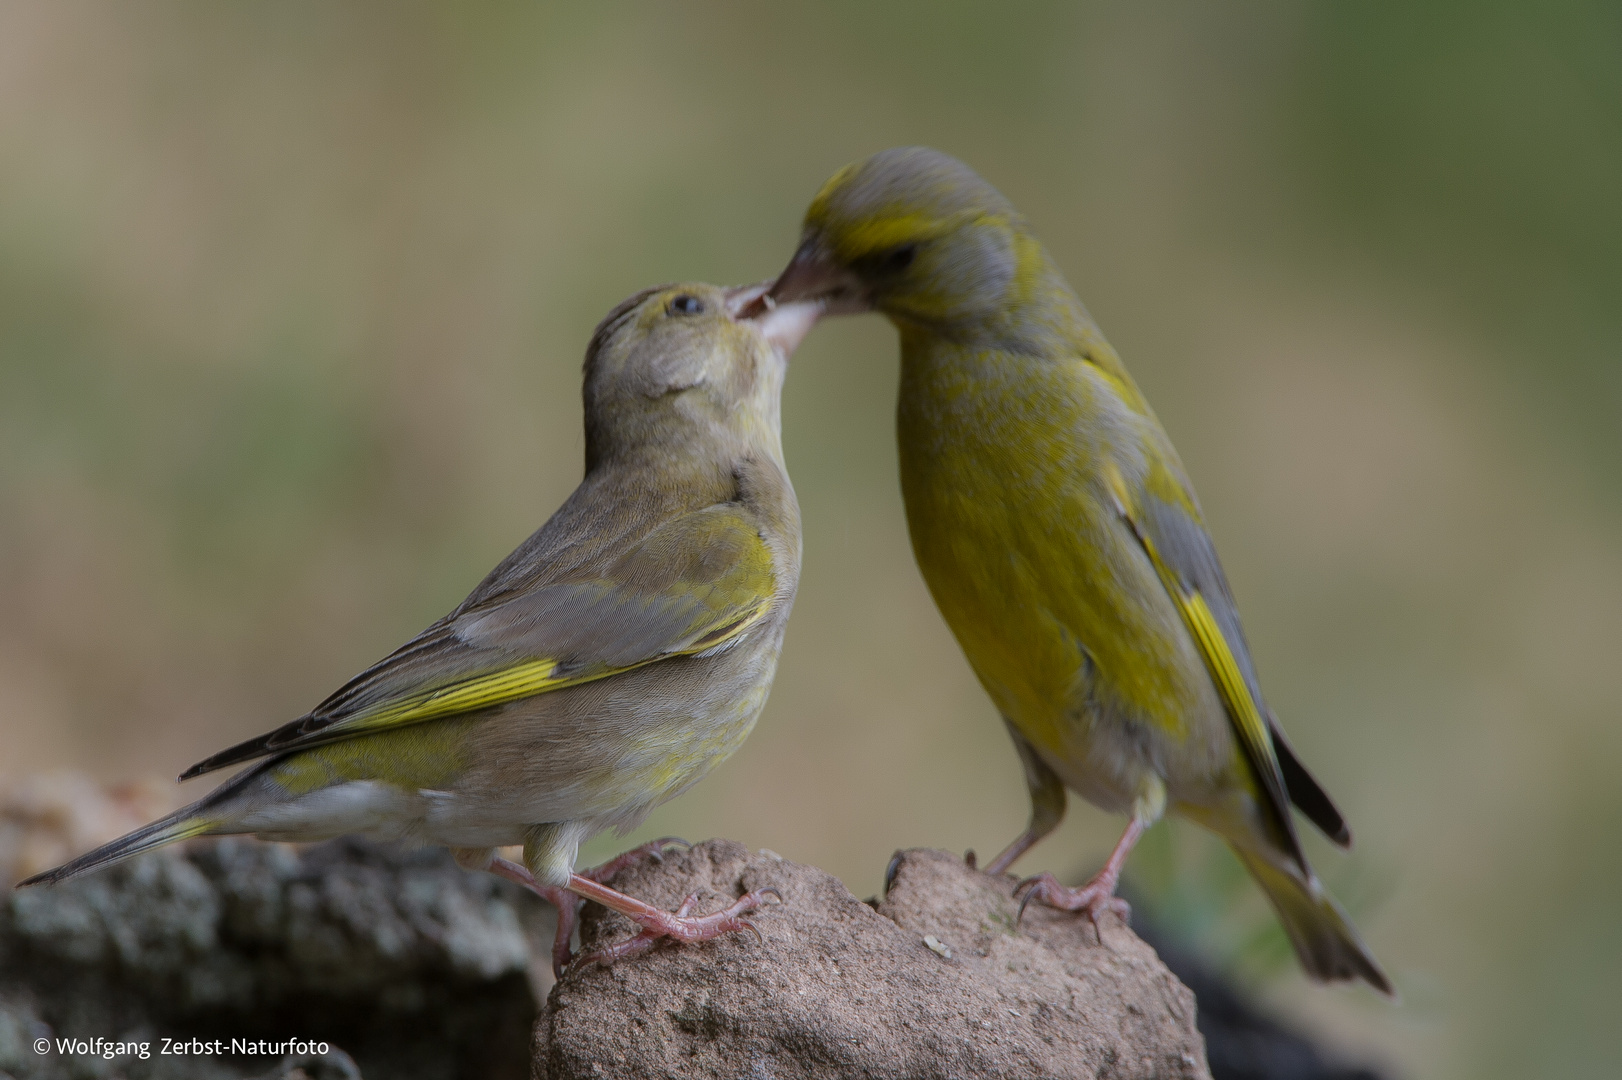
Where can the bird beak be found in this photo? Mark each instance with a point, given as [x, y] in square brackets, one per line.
[814, 274]
[783, 325]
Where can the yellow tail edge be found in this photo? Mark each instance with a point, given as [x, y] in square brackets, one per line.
[182, 825]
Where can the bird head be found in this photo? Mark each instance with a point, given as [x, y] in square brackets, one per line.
[682, 368]
[911, 232]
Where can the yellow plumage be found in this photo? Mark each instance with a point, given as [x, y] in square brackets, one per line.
[1061, 538]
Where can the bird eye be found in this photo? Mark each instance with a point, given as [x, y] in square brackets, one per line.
[686, 304]
[900, 258]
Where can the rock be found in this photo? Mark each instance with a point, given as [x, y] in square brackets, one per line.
[937, 980]
[413, 966]
[395, 965]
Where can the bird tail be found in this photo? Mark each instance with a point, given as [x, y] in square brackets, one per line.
[181, 825]
[215, 812]
[1324, 938]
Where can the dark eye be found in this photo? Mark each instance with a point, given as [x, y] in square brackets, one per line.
[686, 304]
[899, 259]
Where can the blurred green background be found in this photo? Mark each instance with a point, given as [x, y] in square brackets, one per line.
[293, 299]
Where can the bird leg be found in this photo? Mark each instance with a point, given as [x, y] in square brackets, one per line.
[1021, 844]
[561, 952]
[567, 903]
[655, 924]
[1095, 897]
[1047, 802]
[643, 941]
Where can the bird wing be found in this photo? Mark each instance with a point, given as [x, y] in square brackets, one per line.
[1165, 521]
[692, 585]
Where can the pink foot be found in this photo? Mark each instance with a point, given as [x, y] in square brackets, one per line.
[1094, 898]
[655, 924]
[682, 927]
[567, 903]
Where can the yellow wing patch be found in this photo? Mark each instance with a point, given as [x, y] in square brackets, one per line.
[520, 681]
[1242, 709]
[1230, 683]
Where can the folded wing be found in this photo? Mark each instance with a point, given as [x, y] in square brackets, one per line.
[1167, 525]
[694, 584]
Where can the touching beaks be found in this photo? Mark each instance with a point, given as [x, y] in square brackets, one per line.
[811, 286]
[813, 274]
[784, 325]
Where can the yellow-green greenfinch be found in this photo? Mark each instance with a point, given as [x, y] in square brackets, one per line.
[613, 659]
[1062, 541]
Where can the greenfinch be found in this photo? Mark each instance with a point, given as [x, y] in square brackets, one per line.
[1062, 541]
[619, 654]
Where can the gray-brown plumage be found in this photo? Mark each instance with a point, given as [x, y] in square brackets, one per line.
[617, 655]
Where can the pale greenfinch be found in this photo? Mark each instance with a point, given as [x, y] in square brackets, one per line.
[613, 659]
[1062, 541]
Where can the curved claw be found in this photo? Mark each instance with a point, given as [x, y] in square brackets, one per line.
[1093, 898]
[890, 872]
[1030, 890]
[656, 848]
[777, 897]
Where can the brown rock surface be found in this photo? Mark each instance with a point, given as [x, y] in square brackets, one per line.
[937, 981]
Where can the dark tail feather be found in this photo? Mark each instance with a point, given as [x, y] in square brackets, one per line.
[1324, 938]
[207, 815]
[256, 747]
[1306, 793]
[181, 825]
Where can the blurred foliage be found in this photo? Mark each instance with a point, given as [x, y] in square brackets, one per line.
[293, 298]
[1480, 145]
